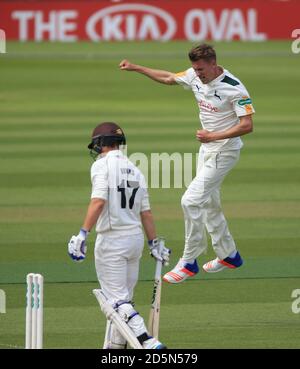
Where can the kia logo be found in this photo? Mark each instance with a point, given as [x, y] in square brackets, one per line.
[131, 22]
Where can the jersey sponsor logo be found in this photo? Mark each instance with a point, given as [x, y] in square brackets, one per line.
[245, 101]
[208, 106]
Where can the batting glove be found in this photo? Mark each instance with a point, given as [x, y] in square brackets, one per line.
[159, 251]
[77, 247]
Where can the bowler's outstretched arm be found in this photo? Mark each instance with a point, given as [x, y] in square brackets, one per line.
[161, 76]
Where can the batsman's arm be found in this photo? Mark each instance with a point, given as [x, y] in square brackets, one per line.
[94, 210]
[161, 76]
[156, 245]
[148, 224]
[77, 245]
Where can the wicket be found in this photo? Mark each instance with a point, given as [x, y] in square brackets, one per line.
[34, 311]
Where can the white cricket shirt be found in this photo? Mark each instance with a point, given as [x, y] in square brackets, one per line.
[221, 103]
[123, 186]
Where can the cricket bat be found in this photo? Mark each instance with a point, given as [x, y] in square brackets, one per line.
[153, 324]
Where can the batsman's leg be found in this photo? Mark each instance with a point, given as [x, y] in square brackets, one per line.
[116, 319]
[113, 338]
[128, 322]
[117, 271]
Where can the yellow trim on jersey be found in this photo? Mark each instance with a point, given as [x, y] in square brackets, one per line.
[180, 74]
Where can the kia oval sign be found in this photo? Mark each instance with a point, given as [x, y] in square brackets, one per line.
[131, 22]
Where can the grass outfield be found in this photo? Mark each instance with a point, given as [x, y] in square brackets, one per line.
[52, 96]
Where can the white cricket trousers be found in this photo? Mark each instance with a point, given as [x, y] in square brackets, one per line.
[117, 261]
[202, 207]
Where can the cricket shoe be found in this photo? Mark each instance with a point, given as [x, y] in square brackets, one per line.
[217, 264]
[181, 272]
[153, 344]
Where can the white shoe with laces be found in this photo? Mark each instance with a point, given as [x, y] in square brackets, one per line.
[217, 264]
[181, 272]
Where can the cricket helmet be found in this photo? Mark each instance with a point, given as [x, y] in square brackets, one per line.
[106, 134]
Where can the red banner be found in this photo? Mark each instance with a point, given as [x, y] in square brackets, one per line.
[194, 20]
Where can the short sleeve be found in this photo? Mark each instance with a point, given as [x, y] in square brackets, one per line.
[145, 203]
[183, 79]
[242, 105]
[99, 179]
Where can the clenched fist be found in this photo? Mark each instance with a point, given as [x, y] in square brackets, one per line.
[126, 65]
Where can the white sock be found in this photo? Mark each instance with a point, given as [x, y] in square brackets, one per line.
[233, 254]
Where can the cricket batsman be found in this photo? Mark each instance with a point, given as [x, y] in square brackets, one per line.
[120, 209]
